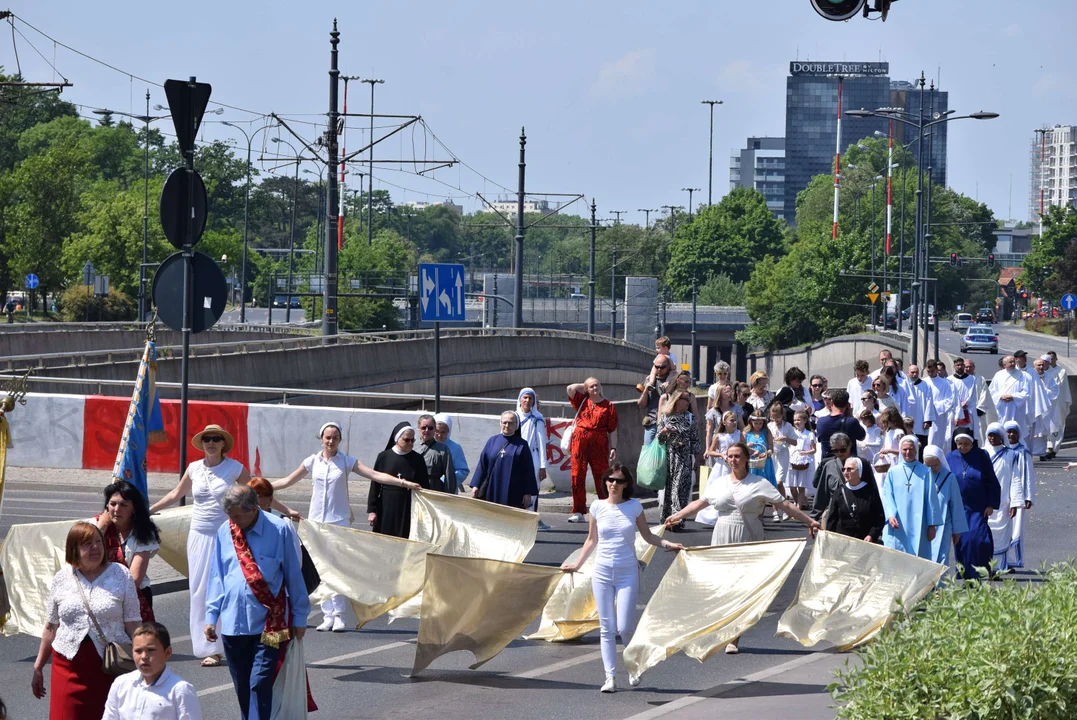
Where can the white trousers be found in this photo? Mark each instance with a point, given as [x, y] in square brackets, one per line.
[616, 590]
[333, 606]
[201, 548]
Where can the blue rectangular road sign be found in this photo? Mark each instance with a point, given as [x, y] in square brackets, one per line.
[441, 292]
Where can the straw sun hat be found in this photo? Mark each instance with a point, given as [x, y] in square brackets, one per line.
[229, 442]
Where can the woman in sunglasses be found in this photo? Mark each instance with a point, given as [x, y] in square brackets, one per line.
[612, 526]
[207, 480]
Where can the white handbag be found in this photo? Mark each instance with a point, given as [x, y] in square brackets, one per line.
[566, 436]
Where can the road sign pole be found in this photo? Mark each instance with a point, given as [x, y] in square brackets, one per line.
[437, 367]
[185, 369]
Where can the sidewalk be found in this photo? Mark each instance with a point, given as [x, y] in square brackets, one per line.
[795, 689]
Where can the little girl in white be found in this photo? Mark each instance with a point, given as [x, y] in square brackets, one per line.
[801, 460]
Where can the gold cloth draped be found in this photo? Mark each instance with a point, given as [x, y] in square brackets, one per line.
[33, 553]
[478, 605]
[460, 526]
[375, 572]
[709, 596]
[570, 612]
[846, 594]
[5, 443]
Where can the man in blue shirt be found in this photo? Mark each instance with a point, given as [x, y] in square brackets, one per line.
[256, 597]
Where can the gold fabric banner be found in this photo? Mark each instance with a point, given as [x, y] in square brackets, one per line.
[847, 592]
[478, 605]
[570, 613]
[376, 572]
[464, 527]
[33, 553]
[5, 443]
[709, 596]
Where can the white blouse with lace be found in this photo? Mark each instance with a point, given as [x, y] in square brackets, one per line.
[112, 597]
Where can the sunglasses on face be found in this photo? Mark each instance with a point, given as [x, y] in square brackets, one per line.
[212, 438]
[617, 480]
[816, 385]
[426, 427]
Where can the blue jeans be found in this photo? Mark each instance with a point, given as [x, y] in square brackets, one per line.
[251, 664]
[649, 433]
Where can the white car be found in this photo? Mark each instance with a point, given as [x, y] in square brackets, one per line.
[961, 322]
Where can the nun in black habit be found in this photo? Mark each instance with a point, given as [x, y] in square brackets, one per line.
[389, 507]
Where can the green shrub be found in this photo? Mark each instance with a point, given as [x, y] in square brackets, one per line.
[77, 305]
[1048, 326]
[975, 650]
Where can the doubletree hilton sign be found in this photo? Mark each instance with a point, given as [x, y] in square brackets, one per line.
[877, 69]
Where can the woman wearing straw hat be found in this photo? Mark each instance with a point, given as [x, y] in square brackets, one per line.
[329, 502]
[207, 480]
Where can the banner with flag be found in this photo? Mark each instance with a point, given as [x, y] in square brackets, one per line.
[144, 424]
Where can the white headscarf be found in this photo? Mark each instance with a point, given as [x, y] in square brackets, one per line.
[934, 451]
[446, 420]
[328, 425]
[908, 439]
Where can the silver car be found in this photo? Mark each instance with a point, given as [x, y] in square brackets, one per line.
[961, 322]
[980, 337]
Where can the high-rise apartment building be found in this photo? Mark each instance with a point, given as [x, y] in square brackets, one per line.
[761, 165]
[811, 108]
[1057, 176]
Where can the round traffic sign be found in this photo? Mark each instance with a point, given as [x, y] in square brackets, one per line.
[176, 208]
[209, 291]
[31, 281]
[1069, 301]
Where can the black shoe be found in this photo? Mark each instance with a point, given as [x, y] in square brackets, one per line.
[1043, 458]
[1050, 454]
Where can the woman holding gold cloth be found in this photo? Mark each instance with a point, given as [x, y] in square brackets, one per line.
[740, 498]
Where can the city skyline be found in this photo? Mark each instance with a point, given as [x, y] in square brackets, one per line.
[614, 115]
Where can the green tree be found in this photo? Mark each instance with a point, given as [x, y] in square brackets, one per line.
[1043, 273]
[720, 290]
[728, 238]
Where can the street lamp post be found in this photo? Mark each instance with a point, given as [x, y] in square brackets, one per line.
[690, 190]
[370, 172]
[246, 208]
[901, 116]
[291, 232]
[143, 310]
[874, 182]
[646, 216]
[710, 152]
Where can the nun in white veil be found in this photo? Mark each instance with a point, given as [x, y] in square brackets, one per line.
[952, 510]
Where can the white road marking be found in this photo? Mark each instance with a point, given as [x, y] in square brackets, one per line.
[554, 667]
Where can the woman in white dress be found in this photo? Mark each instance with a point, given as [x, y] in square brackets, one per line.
[740, 498]
[329, 501]
[727, 435]
[612, 527]
[207, 480]
[801, 460]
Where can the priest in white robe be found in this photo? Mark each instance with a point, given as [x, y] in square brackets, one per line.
[964, 398]
[1038, 404]
[1010, 391]
[942, 395]
[1044, 426]
[1059, 377]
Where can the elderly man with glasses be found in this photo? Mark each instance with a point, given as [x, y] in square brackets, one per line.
[437, 456]
[829, 476]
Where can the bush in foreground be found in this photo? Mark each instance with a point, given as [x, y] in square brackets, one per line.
[979, 651]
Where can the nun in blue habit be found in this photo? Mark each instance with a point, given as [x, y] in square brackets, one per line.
[910, 503]
[981, 494]
[951, 507]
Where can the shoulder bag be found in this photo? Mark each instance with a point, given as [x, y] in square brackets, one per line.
[566, 436]
[118, 659]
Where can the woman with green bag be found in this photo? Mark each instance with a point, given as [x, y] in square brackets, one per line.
[678, 432]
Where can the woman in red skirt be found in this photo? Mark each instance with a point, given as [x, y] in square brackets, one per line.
[89, 584]
[593, 442]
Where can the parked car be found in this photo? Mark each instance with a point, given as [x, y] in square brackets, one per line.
[961, 322]
[890, 322]
[280, 301]
[985, 316]
[980, 337]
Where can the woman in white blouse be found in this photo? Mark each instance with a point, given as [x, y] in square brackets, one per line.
[207, 480]
[79, 686]
[740, 498]
[131, 537]
[329, 502]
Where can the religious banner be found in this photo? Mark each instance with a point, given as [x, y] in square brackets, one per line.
[375, 572]
[849, 589]
[708, 597]
[33, 553]
[570, 612]
[478, 605]
[464, 527]
[144, 424]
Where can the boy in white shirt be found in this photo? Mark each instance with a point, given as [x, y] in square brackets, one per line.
[152, 691]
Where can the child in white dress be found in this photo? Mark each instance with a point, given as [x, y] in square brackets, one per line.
[801, 460]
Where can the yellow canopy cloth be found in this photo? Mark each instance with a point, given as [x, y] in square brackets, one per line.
[570, 612]
[5, 443]
[376, 572]
[464, 527]
[709, 596]
[847, 592]
[33, 553]
[478, 605]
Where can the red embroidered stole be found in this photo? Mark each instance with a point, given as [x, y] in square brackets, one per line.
[276, 628]
[114, 553]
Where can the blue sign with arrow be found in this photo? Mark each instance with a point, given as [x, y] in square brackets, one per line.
[441, 292]
[31, 281]
[1069, 301]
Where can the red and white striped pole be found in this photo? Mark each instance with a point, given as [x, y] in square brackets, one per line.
[340, 208]
[837, 162]
[889, 187]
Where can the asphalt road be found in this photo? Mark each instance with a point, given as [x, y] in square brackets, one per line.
[364, 674]
[1010, 338]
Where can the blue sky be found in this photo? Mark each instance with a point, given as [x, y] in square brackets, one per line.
[609, 91]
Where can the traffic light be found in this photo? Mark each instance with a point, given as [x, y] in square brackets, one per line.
[838, 10]
[991, 260]
[954, 260]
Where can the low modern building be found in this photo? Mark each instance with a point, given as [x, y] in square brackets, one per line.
[419, 205]
[1012, 244]
[761, 165]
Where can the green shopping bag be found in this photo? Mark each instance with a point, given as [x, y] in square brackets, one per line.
[651, 468]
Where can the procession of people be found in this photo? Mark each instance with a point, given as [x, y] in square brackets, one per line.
[940, 467]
